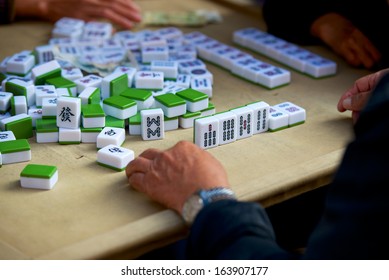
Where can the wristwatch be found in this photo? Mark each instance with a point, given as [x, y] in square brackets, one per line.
[201, 198]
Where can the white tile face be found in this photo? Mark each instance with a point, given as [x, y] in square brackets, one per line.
[111, 135]
[130, 71]
[274, 77]
[49, 106]
[201, 74]
[171, 124]
[35, 114]
[88, 81]
[320, 67]
[244, 121]
[168, 68]
[227, 127]
[97, 30]
[296, 114]
[6, 136]
[155, 53]
[47, 137]
[186, 66]
[93, 122]
[277, 119]
[183, 80]
[44, 68]
[206, 132]
[149, 80]
[71, 73]
[20, 63]
[119, 113]
[45, 91]
[202, 85]
[69, 135]
[152, 124]
[44, 53]
[260, 116]
[68, 112]
[115, 156]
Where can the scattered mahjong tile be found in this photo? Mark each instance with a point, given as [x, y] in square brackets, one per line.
[111, 135]
[35, 114]
[44, 53]
[129, 71]
[228, 131]
[168, 68]
[68, 112]
[114, 84]
[61, 82]
[195, 100]
[274, 77]
[119, 107]
[14, 151]
[152, 124]
[260, 116]
[206, 132]
[88, 81]
[320, 67]
[201, 74]
[143, 98]
[71, 73]
[203, 85]
[149, 80]
[185, 67]
[171, 123]
[69, 136]
[92, 116]
[187, 120]
[38, 176]
[6, 136]
[45, 71]
[171, 104]
[90, 95]
[18, 105]
[297, 115]
[114, 122]
[134, 124]
[20, 63]
[49, 107]
[244, 123]
[44, 91]
[97, 30]
[114, 157]
[5, 101]
[20, 125]
[21, 88]
[183, 80]
[277, 119]
[89, 135]
[149, 54]
[47, 131]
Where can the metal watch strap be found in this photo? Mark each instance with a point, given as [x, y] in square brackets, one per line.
[201, 198]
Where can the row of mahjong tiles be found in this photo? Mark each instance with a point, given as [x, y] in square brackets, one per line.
[209, 131]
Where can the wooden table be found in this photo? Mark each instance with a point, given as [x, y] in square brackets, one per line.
[92, 213]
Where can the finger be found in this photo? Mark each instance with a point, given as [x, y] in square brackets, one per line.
[367, 45]
[140, 164]
[356, 102]
[136, 181]
[358, 49]
[150, 153]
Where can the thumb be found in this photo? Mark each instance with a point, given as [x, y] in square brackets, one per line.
[356, 102]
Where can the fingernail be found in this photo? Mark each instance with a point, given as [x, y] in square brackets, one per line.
[347, 103]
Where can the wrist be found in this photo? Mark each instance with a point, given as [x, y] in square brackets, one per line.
[202, 198]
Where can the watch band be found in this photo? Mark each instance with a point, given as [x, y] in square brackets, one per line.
[201, 198]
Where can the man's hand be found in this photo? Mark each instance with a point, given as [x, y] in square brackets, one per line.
[357, 96]
[346, 40]
[121, 12]
[170, 177]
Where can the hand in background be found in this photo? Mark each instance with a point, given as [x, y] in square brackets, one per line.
[346, 40]
[124, 13]
[357, 96]
[170, 177]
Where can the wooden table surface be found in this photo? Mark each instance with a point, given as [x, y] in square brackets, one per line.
[92, 213]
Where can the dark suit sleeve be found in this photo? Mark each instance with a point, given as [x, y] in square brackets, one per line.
[233, 230]
[355, 223]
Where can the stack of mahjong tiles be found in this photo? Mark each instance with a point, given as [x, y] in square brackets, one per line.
[245, 121]
[285, 52]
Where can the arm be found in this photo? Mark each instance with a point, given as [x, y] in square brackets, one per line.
[122, 12]
[355, 224]
[220, 230]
